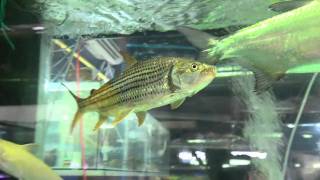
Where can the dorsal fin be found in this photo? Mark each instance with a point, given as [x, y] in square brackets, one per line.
[92, 91]
[130, 60]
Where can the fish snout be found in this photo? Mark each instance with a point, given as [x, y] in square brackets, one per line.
[210, 71]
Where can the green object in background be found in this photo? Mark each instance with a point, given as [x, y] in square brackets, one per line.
[3, 27]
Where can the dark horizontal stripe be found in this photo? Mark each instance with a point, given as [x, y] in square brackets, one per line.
[142, 66]
[144, 79]
[123, 78]
[136, 87]
[112, 86]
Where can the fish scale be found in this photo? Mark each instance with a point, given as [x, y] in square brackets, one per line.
[135, 75]
[146, 85]
[135, 81]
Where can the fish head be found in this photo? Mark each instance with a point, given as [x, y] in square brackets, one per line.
[192, 76]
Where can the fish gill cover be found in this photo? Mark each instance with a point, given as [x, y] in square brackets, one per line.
[262, 129]
[74, 17]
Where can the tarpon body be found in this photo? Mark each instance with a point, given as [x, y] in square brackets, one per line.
[17, 161]
[270, 47]
[146, 85]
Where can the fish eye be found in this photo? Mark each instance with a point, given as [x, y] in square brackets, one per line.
[194, 66]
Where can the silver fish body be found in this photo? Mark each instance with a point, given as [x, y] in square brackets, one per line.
[270, 47]
[147, 85]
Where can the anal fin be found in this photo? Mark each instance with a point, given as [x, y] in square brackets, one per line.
[102, 119]
[141, 117]
[120, 117]
[177, 103]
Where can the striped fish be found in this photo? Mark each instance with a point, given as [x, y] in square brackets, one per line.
[146, 85]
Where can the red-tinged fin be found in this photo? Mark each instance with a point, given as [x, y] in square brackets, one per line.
[79, 113]
[78, 99]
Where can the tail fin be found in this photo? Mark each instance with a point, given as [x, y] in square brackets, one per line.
[79, 113]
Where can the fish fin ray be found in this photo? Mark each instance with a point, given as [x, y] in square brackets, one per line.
[78, 99]
[263, 81]
[120, 118]
[141, 117]
[288, 5]
[177, 103]
[130, 60]
[92, 91]
[102, 119]
[76, 119]
[196, 37]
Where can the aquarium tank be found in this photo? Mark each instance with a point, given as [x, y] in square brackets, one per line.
[171, 89]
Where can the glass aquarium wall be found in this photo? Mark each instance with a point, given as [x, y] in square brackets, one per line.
[126, 148]
[258, 119]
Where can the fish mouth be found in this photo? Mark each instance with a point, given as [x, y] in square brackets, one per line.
[210, 71]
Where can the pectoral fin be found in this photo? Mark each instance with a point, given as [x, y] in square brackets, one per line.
[197, 38]
[264, 81]
[177, 104]
[288, 5]
[120, 117]
[141, 117]
[102, 119]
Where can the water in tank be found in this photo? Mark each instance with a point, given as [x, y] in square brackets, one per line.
[141, 89]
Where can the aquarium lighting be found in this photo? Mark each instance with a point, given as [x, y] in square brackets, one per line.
[196, 141]
[202, 155]
[239, 162]
[236, 162]
[297, 165]
[38, 28]
[226, 166]
[290, 125]
[194, 162]
[253, 154]
[307, 136]
[107, 126]
[185, 156]
[316, 165]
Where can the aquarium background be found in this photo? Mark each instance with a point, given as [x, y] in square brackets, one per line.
[203, 139]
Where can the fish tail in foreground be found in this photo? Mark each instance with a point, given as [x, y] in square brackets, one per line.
[201, 40]
[79, 112]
